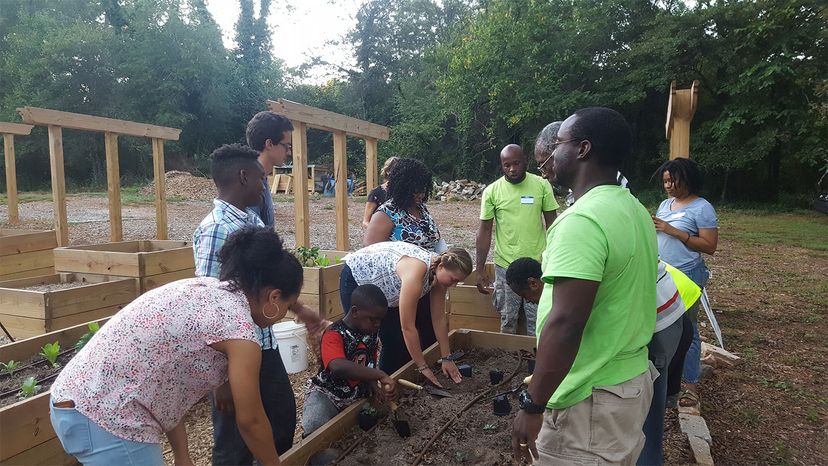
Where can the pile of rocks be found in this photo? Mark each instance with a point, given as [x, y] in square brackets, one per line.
[458, 190]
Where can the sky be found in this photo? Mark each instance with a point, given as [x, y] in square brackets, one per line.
[300, 30]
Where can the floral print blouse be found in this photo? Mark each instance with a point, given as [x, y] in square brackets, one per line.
[142, 371]
[422, 232]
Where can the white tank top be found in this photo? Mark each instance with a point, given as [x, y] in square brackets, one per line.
[377, 264]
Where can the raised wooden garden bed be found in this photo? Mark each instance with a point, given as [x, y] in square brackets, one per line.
[468, 308]
[37, 305]
[26, 253]
[152, 262]
[320, 289]
[342, 426]
[26, 433]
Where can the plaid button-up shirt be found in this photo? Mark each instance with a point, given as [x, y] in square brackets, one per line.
[211, 235]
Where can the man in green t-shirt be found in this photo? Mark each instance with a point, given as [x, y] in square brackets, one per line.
[519, 203]
[592, 385]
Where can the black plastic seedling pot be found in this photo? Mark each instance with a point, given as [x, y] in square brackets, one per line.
[501, 407]
[366, 420]
[530, 366]
[465, 370]
[495, 377]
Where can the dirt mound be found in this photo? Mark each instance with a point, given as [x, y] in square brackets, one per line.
[186, 186]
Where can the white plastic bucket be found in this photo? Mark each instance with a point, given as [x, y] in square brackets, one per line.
[291, 338]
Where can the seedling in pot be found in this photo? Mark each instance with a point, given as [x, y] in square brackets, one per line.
[9, 367]
[29, 388]
[465, 370]
[495, 377]
[50, 351]
[368, 417]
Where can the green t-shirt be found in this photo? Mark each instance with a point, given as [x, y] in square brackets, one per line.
[606, 236]
[518, 213]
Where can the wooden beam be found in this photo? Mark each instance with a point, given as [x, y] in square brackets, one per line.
[341, 175]
[327, 120]
[58, 184]
[300, 170]
[44, 116]
[681, 108]
[113, 187]
[160, 188]
[15, 128]
[370, 164]
[11, 178]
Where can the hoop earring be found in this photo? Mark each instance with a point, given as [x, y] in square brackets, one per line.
[278, 311]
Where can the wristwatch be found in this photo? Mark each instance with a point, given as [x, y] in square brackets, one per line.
[526, 403]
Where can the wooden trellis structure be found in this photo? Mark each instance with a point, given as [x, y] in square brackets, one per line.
[9, 130]
[56, 120]
[304, 117]
[680, 110]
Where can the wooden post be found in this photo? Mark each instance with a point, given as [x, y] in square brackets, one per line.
[370, 164]
[680, 110]
[58, 184]
[300, 170]
[113, 187]
[341, 175]
[160, 188]
[11, 178]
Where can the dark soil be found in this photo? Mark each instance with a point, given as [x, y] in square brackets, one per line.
[38, 367]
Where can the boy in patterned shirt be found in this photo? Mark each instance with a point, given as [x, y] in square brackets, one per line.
[348, 372]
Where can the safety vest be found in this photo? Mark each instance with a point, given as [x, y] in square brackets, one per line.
[675, 293]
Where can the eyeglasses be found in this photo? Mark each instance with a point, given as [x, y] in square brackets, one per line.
[288, 146]
[554, 146]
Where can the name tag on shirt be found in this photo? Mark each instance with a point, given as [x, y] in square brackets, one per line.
[527, 199]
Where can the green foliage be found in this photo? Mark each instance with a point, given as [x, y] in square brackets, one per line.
[84, 339]
[9, 367]
[309, 257]
[490, 427]
[368, 409]
[50, 351]
[29, 388]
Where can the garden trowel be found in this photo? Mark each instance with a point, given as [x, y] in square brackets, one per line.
[428, 388]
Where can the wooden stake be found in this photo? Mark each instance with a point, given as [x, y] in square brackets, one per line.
[370, 164]
[300, 196]
[160, 188]
[680, 110]
[341, 175]
[58, 185]
[113, 187]
[11, 178]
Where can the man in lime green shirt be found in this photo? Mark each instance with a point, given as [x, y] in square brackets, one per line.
[519, 203]
[593, 384]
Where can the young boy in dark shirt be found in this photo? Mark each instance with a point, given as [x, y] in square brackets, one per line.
[348, 372]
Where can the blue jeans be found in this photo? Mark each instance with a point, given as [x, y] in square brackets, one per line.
[92, 445]
[347, 285]
[661, 350]
[692, 361]
[279, 405]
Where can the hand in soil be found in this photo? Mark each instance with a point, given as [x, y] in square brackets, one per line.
[429, 374]
[451, 371]
[525, 430]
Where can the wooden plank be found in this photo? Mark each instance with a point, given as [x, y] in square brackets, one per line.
[33, 281]
[58, 185]
[11, 178]
[22, 350]
[113, 187]
[83, 317]
[486, 324]
[170, 260]
[26, 261]
[120, 264]
[328, 304]
[18, 241]
[300, 168]
[160, 188]
[22, 303]
[327, 120]
[44, 116]
[62, 303]
[120, 246]
[370, 164]
[15, 128]
[28, 273]
[49, 453]
[341, 175]
[154, 281]
[25, 424]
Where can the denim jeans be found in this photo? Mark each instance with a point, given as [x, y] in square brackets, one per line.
[316, 411]
[676, 367]
[692, 361]
[661, 350]
[347, 285]
[279, 405]
[92, 445]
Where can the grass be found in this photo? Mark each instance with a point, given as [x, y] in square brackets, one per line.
[805, 229]
[130, 195]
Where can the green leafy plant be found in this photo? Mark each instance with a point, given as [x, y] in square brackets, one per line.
[460, 457]
[50, 351]
[323, 261]
[490, 426]
[368, 409]
[9, 367]
[84, 339]
[29, 388]
[309, 257]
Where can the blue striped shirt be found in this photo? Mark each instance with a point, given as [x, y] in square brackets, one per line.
[211, 235]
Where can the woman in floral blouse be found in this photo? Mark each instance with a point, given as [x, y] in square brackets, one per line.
[140, 374]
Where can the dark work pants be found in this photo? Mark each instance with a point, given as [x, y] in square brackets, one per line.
[393, 353]
[279, 404]
[676, 366]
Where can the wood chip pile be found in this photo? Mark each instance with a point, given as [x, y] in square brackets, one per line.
[185, 185]
[458, 190]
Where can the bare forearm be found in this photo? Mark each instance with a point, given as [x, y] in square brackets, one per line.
[345, 369]
[557, 349]
[411, 337]
[304, 313]
[695, 243]
[438, 321]
[482, 245]
[258, 437]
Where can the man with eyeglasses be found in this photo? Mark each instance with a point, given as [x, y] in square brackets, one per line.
[517, 204]
[593, 383]
[270, 134]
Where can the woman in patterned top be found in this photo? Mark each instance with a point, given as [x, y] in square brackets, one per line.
[405, 273]
[141, 373]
